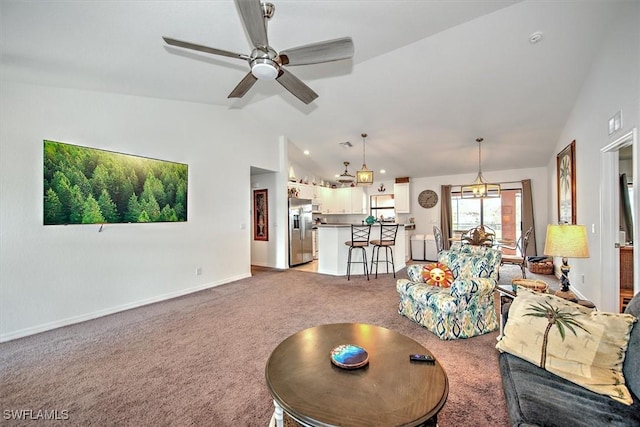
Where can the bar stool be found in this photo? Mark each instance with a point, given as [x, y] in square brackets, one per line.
[359, 240]
[387, 241]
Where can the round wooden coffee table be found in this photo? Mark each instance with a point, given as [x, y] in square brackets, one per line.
[390, 390]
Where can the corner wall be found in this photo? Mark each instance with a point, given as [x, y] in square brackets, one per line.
[56, 275]
[613, 84]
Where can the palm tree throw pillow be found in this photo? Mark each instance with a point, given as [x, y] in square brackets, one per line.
[584, 346]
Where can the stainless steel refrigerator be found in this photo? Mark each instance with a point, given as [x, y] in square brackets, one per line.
[300, 226]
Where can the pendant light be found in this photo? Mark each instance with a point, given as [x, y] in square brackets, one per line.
[346, 178]
[480, 189]
[364, 176]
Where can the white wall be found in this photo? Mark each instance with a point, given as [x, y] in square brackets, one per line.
[274, 252]
[56, 275]
[613, 84]
[425, 219]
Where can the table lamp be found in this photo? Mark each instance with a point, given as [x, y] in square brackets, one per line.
[566, 241]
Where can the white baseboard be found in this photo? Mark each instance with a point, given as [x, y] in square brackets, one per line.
[558, 274]
[100, 313]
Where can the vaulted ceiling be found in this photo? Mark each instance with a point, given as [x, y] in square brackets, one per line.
[427, 77]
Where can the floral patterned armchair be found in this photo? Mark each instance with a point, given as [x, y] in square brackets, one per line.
[465, 309]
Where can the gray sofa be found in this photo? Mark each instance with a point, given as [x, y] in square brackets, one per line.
[536, 397]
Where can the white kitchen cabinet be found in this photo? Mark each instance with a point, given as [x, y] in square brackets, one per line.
[325, 199]
[358, 200]
[307, 191]
[402, 197]
[350, 200]
[345, 200]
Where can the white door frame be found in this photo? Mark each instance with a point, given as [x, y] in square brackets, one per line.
[610, 220]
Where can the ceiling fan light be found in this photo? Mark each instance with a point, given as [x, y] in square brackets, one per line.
[346, 177]
[263, 69]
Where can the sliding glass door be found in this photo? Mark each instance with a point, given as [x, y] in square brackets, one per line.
[503, 215]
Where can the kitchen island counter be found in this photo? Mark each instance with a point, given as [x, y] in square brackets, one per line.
[333, 253]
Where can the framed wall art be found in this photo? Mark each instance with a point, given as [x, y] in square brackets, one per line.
[91, 186]
[566, 169]
[260, 215]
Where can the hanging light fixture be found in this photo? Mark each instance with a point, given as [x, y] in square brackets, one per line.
[480, 189]
[364, 176]
[346, 178]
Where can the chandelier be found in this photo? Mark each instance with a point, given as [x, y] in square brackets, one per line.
[480, 189]
[346, 178]
[364, 176]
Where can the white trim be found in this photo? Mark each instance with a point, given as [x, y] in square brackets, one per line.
[100, 313]
[610, 220]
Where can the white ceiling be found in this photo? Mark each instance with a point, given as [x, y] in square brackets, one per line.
[427, 78]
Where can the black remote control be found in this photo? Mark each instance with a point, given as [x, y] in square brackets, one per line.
[422, 358]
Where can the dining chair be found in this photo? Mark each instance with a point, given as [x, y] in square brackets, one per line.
[520, 257]
[437, 235]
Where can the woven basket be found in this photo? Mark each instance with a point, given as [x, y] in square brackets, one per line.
[541, 267]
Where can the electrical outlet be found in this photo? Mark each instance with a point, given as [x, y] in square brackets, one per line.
[198, 271]
[582, 278]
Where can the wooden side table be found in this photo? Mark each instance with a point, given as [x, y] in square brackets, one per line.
[626, 276]
[625, 298]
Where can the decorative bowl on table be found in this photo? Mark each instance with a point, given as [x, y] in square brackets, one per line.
[349, 356]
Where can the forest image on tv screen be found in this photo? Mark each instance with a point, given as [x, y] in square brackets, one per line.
[90, 186]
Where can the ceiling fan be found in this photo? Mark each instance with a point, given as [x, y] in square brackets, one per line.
[265, 62]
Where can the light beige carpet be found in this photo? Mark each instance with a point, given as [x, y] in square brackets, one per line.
[199, 360]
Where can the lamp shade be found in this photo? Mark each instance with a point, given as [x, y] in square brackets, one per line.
[567, 241]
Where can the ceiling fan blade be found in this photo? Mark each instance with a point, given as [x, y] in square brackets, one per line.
[254, 21]
[243, 87]
[206, 49]
[326, 51]
[294, 85]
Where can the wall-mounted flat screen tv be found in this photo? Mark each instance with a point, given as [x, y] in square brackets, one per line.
[90, 186]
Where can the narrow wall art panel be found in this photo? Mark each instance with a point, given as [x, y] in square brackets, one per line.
[566, 170]
[260, 215]
[90, 186]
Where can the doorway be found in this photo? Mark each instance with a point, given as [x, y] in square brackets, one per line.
[610, 217]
